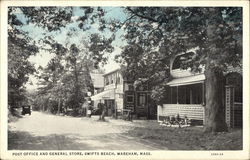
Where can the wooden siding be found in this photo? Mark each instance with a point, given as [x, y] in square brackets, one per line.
[192, 111]
[110, 86]
[119, 88]
[119, 101]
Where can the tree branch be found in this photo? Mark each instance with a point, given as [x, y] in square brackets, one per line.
[143, 16]
[127, 20]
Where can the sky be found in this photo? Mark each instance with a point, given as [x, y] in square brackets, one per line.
[43, 57]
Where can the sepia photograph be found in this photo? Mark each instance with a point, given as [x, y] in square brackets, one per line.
[107, 81]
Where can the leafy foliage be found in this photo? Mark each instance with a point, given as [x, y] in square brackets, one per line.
[66, 79]
[187, 28]
[157, 34]
[99, 47]
[20, 47]
[164, 32]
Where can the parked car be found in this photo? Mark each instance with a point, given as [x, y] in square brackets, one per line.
[26, 110]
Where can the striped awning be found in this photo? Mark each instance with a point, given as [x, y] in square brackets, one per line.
[187, 80]
[108, 94]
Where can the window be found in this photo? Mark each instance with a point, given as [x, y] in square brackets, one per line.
[130, 87]
[106, 80]
[168, 96]
[174, 95]
[118, 81]
[195, 93]
[111, 79]
[118, 78]
[141, 99]
[130, 99]
[186, 94]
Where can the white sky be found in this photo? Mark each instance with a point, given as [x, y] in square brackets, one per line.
[42, 58]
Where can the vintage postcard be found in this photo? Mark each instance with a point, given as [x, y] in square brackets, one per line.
[124, 80]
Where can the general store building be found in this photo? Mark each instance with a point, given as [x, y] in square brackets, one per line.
[120, 95]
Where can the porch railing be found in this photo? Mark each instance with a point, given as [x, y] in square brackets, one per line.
[191, 111]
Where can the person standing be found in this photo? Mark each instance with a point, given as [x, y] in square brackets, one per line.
[102, 107]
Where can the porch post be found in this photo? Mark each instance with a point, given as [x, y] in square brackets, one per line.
[158, 107]
[203, 101]
[115, 110]
[177, 96]
[203, 94]
[191, 96]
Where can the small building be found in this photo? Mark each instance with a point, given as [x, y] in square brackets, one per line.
[112, 94]
[186, 94]
[120, 95]
[98, 83]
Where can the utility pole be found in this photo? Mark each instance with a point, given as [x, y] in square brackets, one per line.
[88, 111]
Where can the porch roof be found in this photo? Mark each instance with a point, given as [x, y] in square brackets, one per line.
[187, 80]
[108, 94]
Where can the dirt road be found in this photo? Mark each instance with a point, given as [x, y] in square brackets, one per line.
[50, 132]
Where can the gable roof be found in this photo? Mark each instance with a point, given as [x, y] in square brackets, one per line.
[97, 79]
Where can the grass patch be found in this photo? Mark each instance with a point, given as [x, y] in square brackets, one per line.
[190, 138]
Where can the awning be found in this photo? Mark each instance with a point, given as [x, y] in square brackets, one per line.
[108, 94]
[187, 80]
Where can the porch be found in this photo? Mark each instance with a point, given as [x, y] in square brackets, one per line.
[186, 97]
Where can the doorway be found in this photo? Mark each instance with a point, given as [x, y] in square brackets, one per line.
[110, 104]
[142, 104]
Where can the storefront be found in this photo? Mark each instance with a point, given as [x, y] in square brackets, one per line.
[108, 98]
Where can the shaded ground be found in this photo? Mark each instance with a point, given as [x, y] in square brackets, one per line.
[49, 132]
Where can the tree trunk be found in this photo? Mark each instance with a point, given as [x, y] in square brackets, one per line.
[215, 109]
[76, 85]
[59, 106]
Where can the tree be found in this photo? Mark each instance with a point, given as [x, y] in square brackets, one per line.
[216, 32]
[20, 48]
[67, 75]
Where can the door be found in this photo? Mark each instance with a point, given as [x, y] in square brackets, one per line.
[129, 100]
[142, 104]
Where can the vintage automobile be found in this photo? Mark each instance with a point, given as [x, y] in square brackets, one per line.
[26, 110]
